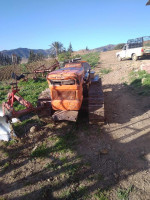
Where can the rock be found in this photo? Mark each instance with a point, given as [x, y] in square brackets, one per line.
[143, 79]
[34, 148]
[103, 151]
[33, 129]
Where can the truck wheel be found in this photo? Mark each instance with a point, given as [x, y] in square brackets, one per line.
[119, 58]
[134, 57]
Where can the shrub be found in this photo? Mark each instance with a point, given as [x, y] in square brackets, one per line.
[119, 46]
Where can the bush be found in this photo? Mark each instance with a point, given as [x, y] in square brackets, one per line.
[140, 82]
[91, 58]
[64, 56]
[119, 46]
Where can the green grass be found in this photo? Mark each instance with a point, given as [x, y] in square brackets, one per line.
[10, 143]
[123, 194]
[3, 92]
[140, 82]
[6, 165]
[21, 128]
[64, 143]
[29, 90]
[100, 195]
[91, 58]
[105, 70]
[40, 151]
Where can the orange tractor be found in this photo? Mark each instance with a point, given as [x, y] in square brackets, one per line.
[71, 89]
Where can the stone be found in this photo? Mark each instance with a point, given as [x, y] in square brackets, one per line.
[104, 152]
[33, 129]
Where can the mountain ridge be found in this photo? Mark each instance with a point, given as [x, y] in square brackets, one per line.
[25, 52]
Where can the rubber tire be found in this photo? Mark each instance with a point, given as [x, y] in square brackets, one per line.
[119, 58]
[134, 57]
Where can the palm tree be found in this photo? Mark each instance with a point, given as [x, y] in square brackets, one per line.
[57, 47]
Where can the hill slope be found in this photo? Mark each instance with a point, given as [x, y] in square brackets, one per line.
[24, 52]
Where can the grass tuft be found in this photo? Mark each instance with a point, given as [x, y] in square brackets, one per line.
[100, 195]
[41, 151]
[123, 194]
[105, 70]
[140, 82]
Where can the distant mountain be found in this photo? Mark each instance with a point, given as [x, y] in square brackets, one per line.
[104, 48]
[24, 52]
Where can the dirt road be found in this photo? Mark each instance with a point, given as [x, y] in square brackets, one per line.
[128, 127]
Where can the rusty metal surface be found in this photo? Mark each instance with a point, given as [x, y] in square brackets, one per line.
[65, 116]
[42, 69]
[63, 94]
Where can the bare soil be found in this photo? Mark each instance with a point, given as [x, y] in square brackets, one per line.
[86, 161]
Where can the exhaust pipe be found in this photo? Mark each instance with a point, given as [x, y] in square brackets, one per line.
[5, 127]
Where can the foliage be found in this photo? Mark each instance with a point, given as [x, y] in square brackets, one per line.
[87, 49]
[29, 90]
[40, 151]
[64, 56]
[140, 82]
[70, 48]
[35, 57]
[100, 195]
[123, 194]
[6, 60]
[105, 70]
[91, 58]
[6, 165]
[57, 48]
[3, 92]
[119, 46]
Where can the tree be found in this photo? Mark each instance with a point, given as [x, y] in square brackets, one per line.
[64, 56]
[70, 48]
[119, 46]
[32, 57]
[57, 47]
[87, 49]
[35, 57]
[5, 60]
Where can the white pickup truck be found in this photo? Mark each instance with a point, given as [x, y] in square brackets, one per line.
[135, 48]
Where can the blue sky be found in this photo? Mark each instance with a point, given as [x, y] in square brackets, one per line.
[37, 23]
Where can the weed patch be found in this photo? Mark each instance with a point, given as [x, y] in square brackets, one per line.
[100, 195]
[123, 194]
[140, 82]
[29, 90]
[91, 58]
[41, 151]
[6, 165]
[105, 70]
